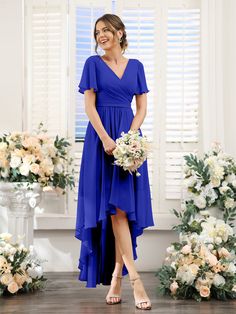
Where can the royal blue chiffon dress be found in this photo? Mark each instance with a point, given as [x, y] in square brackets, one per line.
[102, 185]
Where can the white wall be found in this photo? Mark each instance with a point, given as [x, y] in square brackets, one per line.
[60, 248]
[229, 53]
[11, 55]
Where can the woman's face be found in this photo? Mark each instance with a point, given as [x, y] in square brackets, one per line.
[105, 38]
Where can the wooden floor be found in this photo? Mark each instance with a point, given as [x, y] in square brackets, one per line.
[65, 294]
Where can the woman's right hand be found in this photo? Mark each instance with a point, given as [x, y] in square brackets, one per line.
[109, 145]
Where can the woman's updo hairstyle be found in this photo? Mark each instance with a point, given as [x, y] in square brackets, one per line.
[112, 22]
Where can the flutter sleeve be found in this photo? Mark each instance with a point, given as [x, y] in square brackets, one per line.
[141, 86]
[88, 78]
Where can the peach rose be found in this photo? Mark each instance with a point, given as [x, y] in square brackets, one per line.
[212, 260]
[20, 279]
[13, 287]
[186, 249]
[173, 287]
[204, 291]
[223, 252]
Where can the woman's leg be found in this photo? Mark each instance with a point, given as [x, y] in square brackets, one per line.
[122, 235]
[115, 287]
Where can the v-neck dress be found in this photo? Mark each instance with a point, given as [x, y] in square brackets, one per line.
[103, 186]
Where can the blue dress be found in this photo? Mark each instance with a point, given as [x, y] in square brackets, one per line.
[102, 185]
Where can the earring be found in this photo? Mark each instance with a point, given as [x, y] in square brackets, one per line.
[120, 40]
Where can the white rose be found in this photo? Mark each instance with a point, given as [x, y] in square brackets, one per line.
[200, 201]
[232, 268]
[6, 237]
[230, 178]
[170, 249]
[215, 182]
[35, 272]
[234, 183]
[224, 189]
[229, 203]
[58, 168]
[24, 169]
[218, 240]
[15, 161]
[218, 280]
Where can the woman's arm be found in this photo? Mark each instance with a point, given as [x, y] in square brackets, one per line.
[91, 111]
[141, 111]
[94, 118]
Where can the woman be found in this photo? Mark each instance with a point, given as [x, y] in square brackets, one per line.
[113, 206]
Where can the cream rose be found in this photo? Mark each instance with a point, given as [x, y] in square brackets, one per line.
[34, 168]
[6, 279]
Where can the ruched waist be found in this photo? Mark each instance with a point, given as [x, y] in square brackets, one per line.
[122, 105]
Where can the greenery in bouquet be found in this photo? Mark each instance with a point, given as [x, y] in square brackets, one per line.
[20, 268]
[208, 182]
[131, 151]
[202, 264]
[36, 157]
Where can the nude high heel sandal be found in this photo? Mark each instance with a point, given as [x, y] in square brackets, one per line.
[108, 298]
[138, 303]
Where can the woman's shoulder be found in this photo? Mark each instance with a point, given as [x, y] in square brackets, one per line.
[91, 59]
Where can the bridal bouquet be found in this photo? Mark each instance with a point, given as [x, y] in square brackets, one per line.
[202, 264]
[210, 181]
[36, 157]
[131, 151]
[20, 268]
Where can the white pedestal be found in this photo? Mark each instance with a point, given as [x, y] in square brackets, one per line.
[20, 203]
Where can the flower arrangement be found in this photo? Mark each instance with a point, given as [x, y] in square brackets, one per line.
[36, 157]
[131, 151]
[210, 181]
[20, 268]
[202, 264]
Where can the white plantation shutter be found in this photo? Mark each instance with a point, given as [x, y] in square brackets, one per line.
[85, 19]
[165, 36]
[46, 77]
[182, 93]
[47, 65]
[82, 19]
[140, 21]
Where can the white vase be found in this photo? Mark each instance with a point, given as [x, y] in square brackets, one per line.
[216, 212]
[20, 203]
[213, 211]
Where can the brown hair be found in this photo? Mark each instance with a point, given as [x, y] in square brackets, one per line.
[112, 22]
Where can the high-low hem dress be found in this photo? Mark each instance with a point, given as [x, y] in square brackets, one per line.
[103, 187]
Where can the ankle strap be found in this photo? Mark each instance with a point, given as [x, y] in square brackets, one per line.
[117, 276]
[133, 280]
